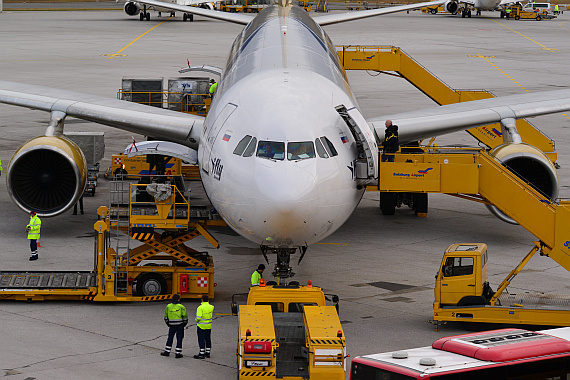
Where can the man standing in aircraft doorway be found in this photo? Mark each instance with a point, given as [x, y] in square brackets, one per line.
[257, 275]
[213, 88]
[391, 142]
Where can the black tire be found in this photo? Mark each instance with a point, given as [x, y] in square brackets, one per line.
[517, 18]
[472, 301]
[469, 14]
[93, 192]
[191, 18]
[433, 11]
[388, 203]
[120, 173]
[502, 14]
[184, 17]
[147, 16]
[150, 284]
[141, 16]
[538, 18]
[421, 203]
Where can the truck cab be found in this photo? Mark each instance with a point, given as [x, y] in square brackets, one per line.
[463, 276]
[289, 331]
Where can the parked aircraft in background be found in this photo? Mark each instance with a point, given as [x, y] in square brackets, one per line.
[466, 6]
[133, 8]
[284, 151]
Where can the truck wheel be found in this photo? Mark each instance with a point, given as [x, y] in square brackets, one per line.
[421, 203]
[538, 18]
[472, 301]
[517, 18]
[120, 173]
[388, 203]
[150, 284]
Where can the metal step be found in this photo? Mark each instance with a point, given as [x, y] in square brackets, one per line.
[47, 280]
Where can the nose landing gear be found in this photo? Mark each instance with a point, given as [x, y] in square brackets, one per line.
[283, 269]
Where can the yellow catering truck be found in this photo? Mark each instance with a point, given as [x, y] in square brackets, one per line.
[288, 332]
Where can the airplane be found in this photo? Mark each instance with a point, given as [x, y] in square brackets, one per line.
[465, 6]
[132, 8]
[284, 152]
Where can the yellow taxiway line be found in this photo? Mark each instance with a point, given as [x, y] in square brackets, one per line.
[118, 54]
[542, 47]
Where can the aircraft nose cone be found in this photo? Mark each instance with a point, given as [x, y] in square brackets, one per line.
[284, 203]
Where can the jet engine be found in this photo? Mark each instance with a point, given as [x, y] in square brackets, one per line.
[131, 8]
[451, 6]
[209, 6]
[47, 175]
[531, 165]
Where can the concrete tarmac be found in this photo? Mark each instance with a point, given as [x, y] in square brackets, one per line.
[381, 267]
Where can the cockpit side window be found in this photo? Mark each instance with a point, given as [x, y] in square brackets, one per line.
[242, 145]
[273, 150]
[250, 148]
[321, 149]
[329, 146]
[300, 150]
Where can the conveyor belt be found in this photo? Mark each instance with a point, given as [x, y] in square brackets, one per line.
[47, 280]
[290, 334]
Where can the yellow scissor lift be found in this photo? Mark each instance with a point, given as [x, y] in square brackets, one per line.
[160, 266]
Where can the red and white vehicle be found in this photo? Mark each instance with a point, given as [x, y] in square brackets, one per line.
[511, 354]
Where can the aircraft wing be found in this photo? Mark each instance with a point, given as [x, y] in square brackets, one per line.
[344, 17]
[237, 18]
[430, 122]
[138, 118]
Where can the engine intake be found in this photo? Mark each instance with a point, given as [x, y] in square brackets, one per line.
[47, 175]
[451, 6]
[530, 164]
[132, 9]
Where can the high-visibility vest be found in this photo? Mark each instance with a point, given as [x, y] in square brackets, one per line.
[255, 278]
[35, 225]
[204, 315]
[1, 165]
[175, 314]
[213, 88]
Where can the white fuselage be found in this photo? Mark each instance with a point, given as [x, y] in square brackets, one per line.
[282, 83]
[486, 5]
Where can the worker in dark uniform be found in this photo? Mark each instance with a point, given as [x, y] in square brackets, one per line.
[176, 318]
[80, 201]
[257, 275]
[33, 230]
[391, 142]
[204, 315]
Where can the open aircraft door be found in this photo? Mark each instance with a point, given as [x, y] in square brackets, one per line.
[210, 135]
[366, 165]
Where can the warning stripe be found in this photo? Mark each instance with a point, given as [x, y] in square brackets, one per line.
[326, 341]
[257, 373]
[143, 235]
[257, 340]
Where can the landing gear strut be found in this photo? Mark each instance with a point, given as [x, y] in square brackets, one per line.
[283, 268]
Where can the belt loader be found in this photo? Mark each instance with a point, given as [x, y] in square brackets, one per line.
[288, 332]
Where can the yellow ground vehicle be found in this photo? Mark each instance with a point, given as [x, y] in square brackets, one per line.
[159, 266]
[121, 164]
[288, 332]
[463, 293]
[518, 13]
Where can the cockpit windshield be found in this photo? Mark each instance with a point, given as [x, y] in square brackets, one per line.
[273, 150]
[300, 150]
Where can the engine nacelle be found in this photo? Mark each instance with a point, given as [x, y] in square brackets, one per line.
[47, 175]
[530, 164]
[209, 6]
[451, 6]
[131, 8]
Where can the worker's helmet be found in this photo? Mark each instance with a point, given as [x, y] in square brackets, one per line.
[261, 267]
